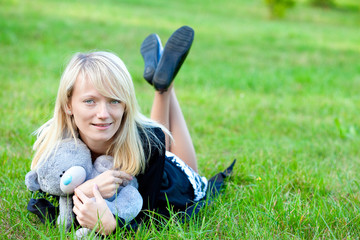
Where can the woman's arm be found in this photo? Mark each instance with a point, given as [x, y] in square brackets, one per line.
[108, 182]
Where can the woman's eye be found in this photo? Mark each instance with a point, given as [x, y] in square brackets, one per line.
[89, 101]
[114, 101]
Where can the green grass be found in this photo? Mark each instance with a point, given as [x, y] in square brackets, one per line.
[280, 96]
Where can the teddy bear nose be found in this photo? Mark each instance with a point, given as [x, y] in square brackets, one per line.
[72, 178]
[67, 180]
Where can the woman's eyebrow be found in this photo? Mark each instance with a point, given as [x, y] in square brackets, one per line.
[89, 96]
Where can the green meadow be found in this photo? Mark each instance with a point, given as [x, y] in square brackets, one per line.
[279, 95]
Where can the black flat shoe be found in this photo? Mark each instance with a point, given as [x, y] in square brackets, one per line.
[174, 54]
[151, 50]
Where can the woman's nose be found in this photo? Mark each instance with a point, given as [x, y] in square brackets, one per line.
[103, 111]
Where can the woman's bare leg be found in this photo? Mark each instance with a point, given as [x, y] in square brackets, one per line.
[183, 145]
[160, 112]
[167, 111]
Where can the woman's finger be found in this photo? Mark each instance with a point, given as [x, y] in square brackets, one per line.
[76, 201]
[81, 196]
[76, 210]
[77, 204]
[97, 194]
[123, 175]
[118, 181]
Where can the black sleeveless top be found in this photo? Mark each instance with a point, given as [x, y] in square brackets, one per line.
[163, 182]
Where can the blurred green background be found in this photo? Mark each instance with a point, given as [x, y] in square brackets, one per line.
[279, 93]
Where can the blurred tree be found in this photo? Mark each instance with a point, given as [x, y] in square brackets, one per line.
[323, 3]
[278, 8]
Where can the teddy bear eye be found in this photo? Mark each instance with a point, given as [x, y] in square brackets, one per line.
[62, 174]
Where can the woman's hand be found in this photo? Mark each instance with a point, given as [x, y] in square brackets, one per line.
[108, 182]
[93, 213]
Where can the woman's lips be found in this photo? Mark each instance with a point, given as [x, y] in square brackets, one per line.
[102, 126]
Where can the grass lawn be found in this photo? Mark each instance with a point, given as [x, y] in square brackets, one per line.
[280, 96]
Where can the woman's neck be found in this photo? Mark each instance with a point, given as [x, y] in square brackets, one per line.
[97, 149]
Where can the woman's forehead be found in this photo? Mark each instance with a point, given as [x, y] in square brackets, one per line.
[89, 86]
[84, 86]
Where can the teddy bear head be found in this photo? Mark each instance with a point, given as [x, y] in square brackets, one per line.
[66, 168]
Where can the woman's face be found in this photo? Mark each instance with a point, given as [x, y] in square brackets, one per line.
[97, 117]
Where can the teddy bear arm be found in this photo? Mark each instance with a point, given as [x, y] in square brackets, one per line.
[132, 182]
[127, 204]
[66, 214]
[103, 163]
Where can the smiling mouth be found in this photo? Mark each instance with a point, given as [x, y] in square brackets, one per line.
[101, 124]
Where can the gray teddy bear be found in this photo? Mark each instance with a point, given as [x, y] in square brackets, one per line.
[69, 166]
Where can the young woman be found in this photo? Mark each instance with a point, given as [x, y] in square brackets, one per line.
[96, 102]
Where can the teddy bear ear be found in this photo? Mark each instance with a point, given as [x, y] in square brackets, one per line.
[31, 181]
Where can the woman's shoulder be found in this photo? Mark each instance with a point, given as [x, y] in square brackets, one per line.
[152, 133]
[153, 140]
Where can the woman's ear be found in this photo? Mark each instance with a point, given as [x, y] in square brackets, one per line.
[68, 110]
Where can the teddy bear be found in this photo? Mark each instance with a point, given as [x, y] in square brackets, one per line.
[68, 166]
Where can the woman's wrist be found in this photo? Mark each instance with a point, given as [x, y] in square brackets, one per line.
[108, 225]
[86, 188]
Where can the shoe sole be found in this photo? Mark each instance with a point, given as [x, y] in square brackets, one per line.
[174, 54]
[151, 51]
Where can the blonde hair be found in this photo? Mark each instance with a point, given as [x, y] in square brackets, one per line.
[111, 78]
